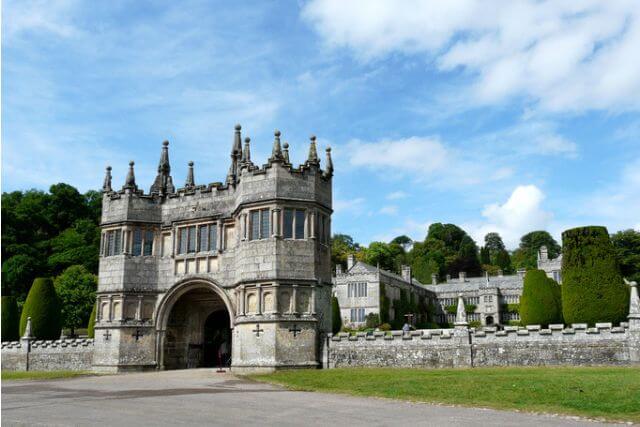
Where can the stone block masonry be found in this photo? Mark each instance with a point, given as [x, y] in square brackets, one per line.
[462, 347]
[47, 355]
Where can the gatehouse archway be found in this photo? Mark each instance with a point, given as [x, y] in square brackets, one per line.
[194, 324]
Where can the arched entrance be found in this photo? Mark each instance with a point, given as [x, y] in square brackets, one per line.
[194, 326]
[217, 340]
[489, 320]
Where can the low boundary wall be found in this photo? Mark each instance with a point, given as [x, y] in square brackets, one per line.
[47, 355]
[576, 344]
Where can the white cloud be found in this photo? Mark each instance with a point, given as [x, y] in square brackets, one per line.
[617, 205]
[416, 230]
[389, 210]
[521, 213]
[426, 160]
[23, 16]
[352, 206]
[564, 56]
[397, 195]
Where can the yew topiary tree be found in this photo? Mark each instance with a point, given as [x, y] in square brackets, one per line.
[92, 323]
[540, 302]
[10, 319]
[592, 286]
[43, 306]
[336, 319]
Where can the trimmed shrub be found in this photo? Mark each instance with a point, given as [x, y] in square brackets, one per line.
[385, 327]
[592, 286]
[43, 306]
[372, 320]
[92, 323]
[10, 319]
[336, 320]
[540, 301]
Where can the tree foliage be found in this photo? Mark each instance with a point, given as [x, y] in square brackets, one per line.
[76, 288]
[341, 246]
[92, 323]
[540, 303]
[592, 286]
[43, 306]
[526, 256]
[45, 232]
[627, 247]
[10, 319]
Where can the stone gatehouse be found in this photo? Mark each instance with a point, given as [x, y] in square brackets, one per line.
[235, 273]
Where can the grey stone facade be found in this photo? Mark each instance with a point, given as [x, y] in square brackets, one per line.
[255, 248]
[491, 296]
[551, 266]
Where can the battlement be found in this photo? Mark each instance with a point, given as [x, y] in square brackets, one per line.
[242, 168]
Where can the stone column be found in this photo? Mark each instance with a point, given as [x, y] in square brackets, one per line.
[220, 236]
[276, 289]
[311, 224]
[634, 323]
[139, 309]
[275, 223]
[294, 299]
[110, 308]
[160, 337]
[312, 301]
[242, 301]
[462, 338]
[243, 226]
[259, 301]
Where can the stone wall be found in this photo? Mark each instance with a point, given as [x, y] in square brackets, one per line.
[463, 347]
[47, 355]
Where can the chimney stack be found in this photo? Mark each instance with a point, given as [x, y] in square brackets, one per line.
[338, 269]
[522, 272]
[434, 279]
[448, 278]
[406, 273]
[351, 260]
[462, 276]
[500, 273]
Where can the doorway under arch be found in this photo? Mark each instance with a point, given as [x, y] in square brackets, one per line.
[489, 320]
[197, 327]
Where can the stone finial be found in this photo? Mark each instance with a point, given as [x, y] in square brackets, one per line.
[190, 182]
[130, 181]
[236, 156]
[312, 159]
[106, 186]
[461, 313]
[27, 330]
[285, 152]
[163, 184]
[276, 153]
[237, 142]
[328, 172]
[634, 300]
[246, 153]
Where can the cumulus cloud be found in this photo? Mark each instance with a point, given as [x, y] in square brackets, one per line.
[425, 159]
[563, 56]
[397, 195]
[389, 210]
[521, 213]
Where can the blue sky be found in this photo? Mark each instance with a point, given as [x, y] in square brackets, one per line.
[495, 116]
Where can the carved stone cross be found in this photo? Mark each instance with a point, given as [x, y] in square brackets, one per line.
[257, 330]
[295, 330]
[137, 335]
[106, 335]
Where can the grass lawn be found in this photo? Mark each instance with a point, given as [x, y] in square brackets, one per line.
[610, 393]
[41, 375]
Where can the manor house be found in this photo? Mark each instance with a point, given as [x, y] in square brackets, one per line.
[229, 273]
[490, 300]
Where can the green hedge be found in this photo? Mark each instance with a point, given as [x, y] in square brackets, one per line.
[592, 286]
[92, 323]
[336, 319]
[540, 302]
[43, 306]
[10, 319]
